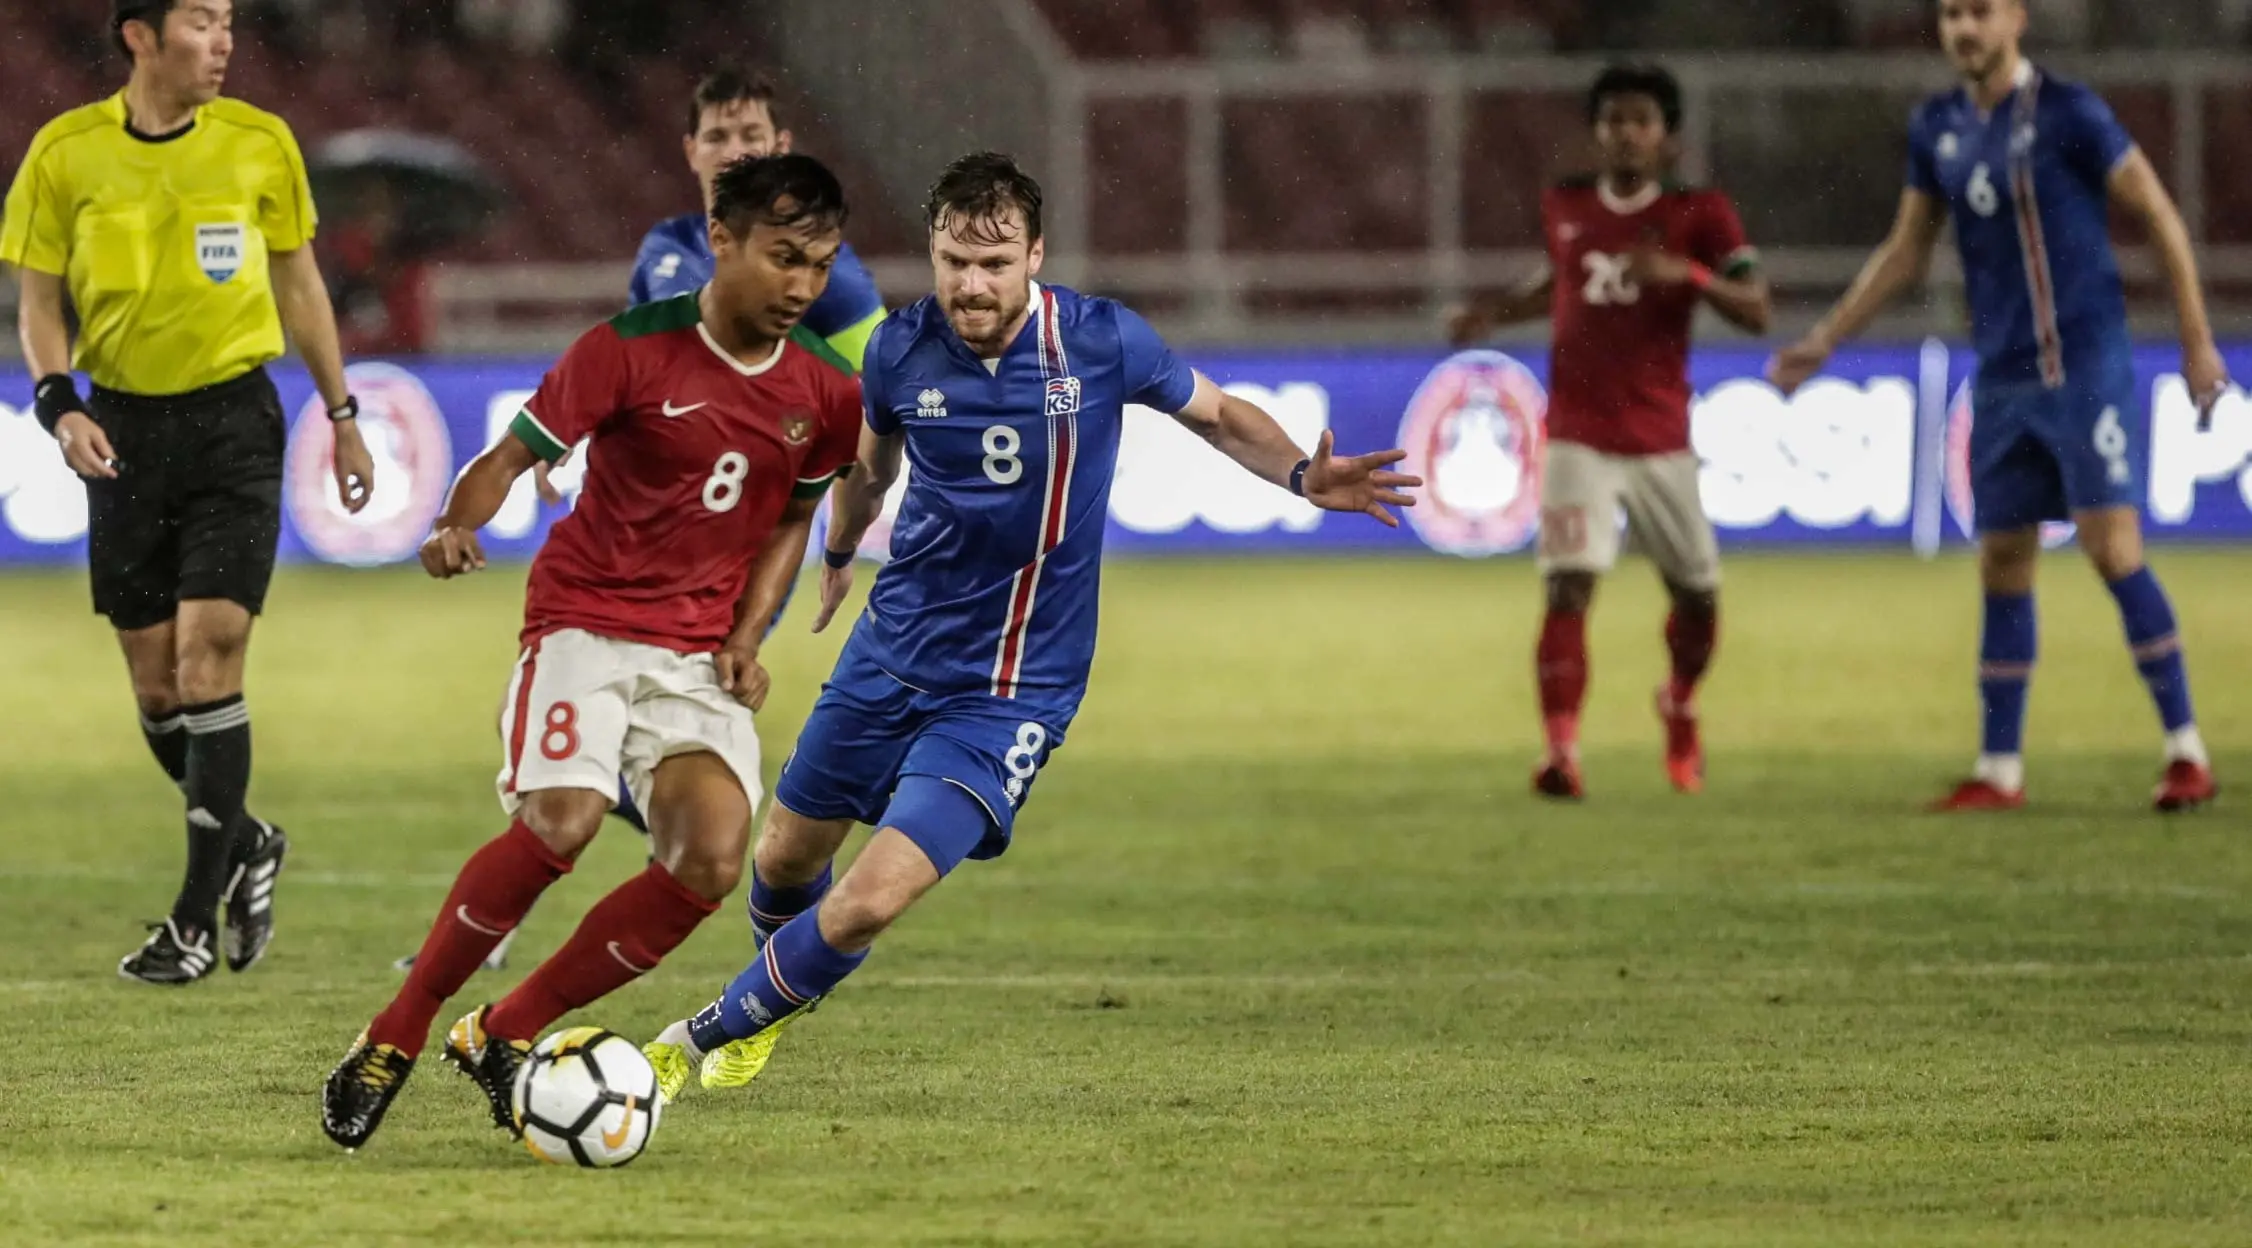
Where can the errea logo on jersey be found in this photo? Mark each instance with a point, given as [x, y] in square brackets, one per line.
[930, 404]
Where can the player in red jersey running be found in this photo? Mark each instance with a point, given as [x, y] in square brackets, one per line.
[717, 422]
[1631, 257]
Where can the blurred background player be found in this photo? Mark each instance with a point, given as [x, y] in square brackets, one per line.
[2028, 165]
[1632, 255]
[731, 116]
[720, 421]
[971, 660]
[199, 259]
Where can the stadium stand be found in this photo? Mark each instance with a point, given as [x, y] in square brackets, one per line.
[575, 107]
[559, 121]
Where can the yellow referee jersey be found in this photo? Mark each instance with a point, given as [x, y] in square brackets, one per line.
[163, 242]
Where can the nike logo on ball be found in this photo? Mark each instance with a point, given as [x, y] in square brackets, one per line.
[670, 410]
[615, 1139]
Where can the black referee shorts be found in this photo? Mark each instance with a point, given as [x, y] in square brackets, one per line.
[195, 511]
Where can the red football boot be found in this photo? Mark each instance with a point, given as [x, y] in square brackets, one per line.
[1685, 752]
[1559, 778]
[2185, 786]
[1979, 795]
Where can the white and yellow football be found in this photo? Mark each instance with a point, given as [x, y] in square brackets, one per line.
[586, 1097]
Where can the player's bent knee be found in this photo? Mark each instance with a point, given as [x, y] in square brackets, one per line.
[565, 820]
[211, 650]
[1700, 603]
[157, 698]
[708, 870]
[2006, 560]
[2113, 539]
[1571, 592]
[153, 663]
[793, 849]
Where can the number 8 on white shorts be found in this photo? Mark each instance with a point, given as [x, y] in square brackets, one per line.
[583, 710]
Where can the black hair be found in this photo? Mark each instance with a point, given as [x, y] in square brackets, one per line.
[1627, 79]
[731, 84]
[980, 189]
[150, 11]
[790, 190]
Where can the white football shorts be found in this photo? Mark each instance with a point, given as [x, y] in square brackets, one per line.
[1582, 492]
[583, 710]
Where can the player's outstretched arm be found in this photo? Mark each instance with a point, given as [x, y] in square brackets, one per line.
[855, 501]
[1245, 433]
[772, 570]
[301, 297]
[1479, 315]
[1898, 263]
[2135, 187]
[451, 549]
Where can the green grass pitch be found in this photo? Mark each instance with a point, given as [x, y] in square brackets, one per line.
[1285, 953]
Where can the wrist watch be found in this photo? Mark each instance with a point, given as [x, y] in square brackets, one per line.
[349, 409]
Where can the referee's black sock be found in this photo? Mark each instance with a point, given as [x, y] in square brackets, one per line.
[218, 775]
[168, 740]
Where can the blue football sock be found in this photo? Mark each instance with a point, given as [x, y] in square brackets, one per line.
[2005, 666]
[2157, 646]
[771, 907]
[795, 967]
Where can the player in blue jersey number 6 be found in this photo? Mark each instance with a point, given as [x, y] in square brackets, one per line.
[962, 676]
[2028, 166]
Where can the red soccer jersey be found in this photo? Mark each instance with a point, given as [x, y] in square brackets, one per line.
[694, 455]
[1618, 373]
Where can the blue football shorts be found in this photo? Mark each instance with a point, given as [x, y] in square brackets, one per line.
[2039, 453]
[869, 731]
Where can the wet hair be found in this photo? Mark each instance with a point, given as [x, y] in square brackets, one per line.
[151, 11]
[789, 191]
[1647, 80]
[731, 84]
[979, 190]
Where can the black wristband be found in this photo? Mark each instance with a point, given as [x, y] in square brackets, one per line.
[349, 409]
[1298, 477]
[55, 396]
[839, 559]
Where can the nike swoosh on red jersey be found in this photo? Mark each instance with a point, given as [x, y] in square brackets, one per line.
[670, 410]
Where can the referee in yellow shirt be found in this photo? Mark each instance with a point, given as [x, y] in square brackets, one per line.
[180, 224]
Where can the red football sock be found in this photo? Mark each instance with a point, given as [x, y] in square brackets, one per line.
[1690, 639]
[495, 889]
[623, 938]
[1561, 663]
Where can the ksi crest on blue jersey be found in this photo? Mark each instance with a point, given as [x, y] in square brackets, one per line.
[1063, 396]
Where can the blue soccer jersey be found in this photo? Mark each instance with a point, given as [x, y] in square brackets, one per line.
[676, 259]
[2028, 189]
[996, 554]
